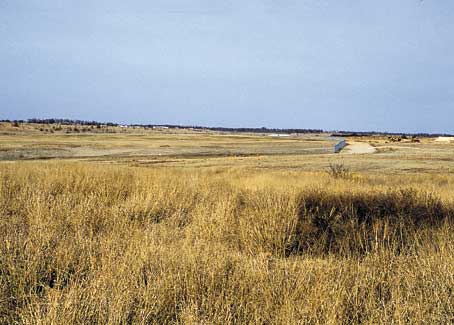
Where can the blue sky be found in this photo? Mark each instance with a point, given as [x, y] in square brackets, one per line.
[353, 65]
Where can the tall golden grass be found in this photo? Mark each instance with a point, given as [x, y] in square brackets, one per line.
[83, 244]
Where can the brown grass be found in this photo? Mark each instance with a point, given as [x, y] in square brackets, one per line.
[85, 243]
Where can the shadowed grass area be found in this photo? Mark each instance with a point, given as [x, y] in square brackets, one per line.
[86, 243]
[358, 223]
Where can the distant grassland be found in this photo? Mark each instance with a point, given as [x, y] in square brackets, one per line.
[178, 148]
[28, 142]
[83, 242]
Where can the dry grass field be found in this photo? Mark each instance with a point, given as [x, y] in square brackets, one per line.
[114, 143]
[160, 226]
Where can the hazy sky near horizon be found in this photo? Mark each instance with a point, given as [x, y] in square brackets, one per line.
[353, 65]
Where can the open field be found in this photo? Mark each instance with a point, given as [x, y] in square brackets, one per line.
[177, 226]
[27, 142]
[190, 149]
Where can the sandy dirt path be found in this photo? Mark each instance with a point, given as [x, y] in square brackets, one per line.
[358, 148]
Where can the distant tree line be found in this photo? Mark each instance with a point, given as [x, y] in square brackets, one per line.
[68, 122]
[223, 129]
[60, 121]
[371, 133]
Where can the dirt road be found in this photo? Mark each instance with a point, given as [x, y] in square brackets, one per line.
[358, 148]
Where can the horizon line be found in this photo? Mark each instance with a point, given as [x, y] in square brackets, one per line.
[218, 128]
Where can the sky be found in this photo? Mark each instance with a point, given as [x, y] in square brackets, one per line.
[380, 65]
